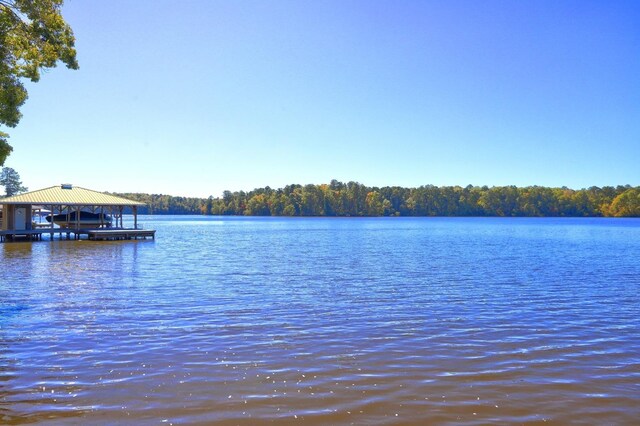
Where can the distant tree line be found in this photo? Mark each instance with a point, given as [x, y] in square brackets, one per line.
[355, 199]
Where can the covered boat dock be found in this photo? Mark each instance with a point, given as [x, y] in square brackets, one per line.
[63, 205]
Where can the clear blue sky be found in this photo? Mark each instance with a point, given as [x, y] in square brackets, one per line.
[194, 97]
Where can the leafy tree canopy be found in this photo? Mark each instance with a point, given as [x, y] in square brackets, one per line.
[33, 36]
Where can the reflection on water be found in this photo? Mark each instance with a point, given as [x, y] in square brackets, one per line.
[327, 321]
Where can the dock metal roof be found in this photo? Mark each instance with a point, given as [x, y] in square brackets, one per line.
[69, 195]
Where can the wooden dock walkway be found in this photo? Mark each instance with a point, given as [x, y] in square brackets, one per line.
[121, 234]
[76, 234]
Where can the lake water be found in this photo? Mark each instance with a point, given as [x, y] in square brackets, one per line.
[326, 321]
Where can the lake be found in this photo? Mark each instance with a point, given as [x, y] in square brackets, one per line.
[326, 321]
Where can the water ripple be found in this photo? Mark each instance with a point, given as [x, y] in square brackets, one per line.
[373, 321]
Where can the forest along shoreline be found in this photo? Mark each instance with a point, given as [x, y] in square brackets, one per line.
[355, 199]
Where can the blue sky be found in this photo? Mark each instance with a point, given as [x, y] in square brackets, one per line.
[195, 97]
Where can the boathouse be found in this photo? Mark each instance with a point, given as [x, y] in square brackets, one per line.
[65, 208]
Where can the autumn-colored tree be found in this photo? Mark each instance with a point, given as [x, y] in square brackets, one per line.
[374, 204]
[626, 204]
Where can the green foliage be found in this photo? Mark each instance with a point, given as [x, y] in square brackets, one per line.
[374, 204]
[10, 179]
[355, 199]
[167, 204]
[626, 204]
[5, 148]
[33, 36]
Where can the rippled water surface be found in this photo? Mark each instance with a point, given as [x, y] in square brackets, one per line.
[326, 321]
